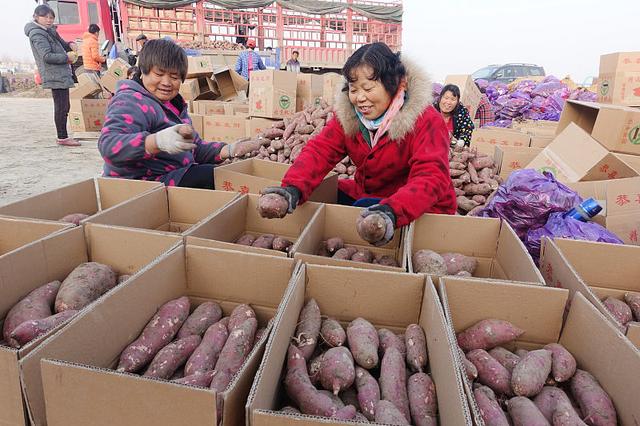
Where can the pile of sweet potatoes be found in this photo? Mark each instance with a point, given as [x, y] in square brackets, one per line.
[266, 241]
[625, 310]
[537, 387]
[52, 304]
[336, 248]
[432, 263]
[360, 374]
[474, 177]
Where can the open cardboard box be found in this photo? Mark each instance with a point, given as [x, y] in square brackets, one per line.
[596, 270]
[512, 158]
[171, 209]
[240, 217]
[497, 248]
[595, 343]
[89, 197]
[53, 258]
[16, 232]
[81, 387]
[253, 175]
[486, 139]
[340, 221]
[386, 299]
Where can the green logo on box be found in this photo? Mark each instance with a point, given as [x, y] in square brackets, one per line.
[634, 135]
[551, 170]
[285, 102]
[76, 120]
[317, 102]
[604, 88]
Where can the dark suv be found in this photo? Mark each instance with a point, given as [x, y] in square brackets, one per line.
[508, 72]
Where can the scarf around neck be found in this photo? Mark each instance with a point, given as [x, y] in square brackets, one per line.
[381, 124]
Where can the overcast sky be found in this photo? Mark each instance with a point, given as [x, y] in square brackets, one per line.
[460, 36]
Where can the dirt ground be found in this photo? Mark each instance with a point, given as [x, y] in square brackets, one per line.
[30, 160]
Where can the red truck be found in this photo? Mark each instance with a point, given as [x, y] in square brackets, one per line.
[323, 41]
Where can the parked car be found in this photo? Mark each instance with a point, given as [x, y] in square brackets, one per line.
[508, 72]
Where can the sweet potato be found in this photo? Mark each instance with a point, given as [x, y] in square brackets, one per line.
[337, 371]
[363, 342]
[259, 333]
[473, 173]
[335, 398]
[363, 255]
[465, 203]
[521, 352]
[86, 283]
[530, 374]
[123, 278]
[566, 415]
[393, 381]
[345, 253]
[595, 404]
[429, 262]
[334, 244]
[74, 218]
[205, 356]
[523, 412]
[469, 368]
[246, 240]
[35, 305]
[480, 199]
[308, 329]
[465, 274]
[548, 399]
[563, 364]
[456, 172]
[388, 414]
[290, 410]
[387, 339]
[487, 334]
[202, 380]
[490, 372]
[273, 206]
[332, 333]
[264, 241]
[347, 412]
[482, 162]
[322, 250]
[508, 359]
[31, 329]
[368, 392]
[156, 334]
[314, 369]
[633, 300]
[416, 344]
[205, 315]
[457, 263]
[456, 165]
[350, 397]
[281, 244]
[238, 316]
[620, 310]
[171, 357]
[387, 260]
[422, 400]
[371, 228]
[237, 347]
[489, 407]
[477, 189]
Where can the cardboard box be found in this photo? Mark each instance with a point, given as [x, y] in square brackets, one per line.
[15, 232]
[199, 66]
[168, 26]
[206, 107]
[593, 163]
[116, 72]
[89, 197]
[391, 300]
[81, 387]
[487, 138]
[332, 84]
[46, 260]
[171, 209]
[256, 125]
[197, 121]
[632, 161]
[592, 340]
[498, 250]
[87, 115]
[190, 89]
[88, 86]
[224, 128]
[536, 127]
[240, 217]
[511, 158]
[252, 175]
[227, 83]
[339, 221]
[541, 141]
[470, 95]
[619, 79]
[309, 90]
[273, 94]
[596, 270]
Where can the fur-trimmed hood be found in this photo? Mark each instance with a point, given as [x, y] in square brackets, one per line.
[418, 98]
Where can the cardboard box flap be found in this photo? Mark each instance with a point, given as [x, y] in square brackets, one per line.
[515, 260]
[15, 233]
[147, 211]
[582, 114]
[188, 205]
[623, 196]
[11, 407]
[632, 161]
[114, 191]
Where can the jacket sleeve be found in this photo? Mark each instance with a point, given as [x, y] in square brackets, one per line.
[207, 152]
[464, 126]
[40, 42]
[260, 63]
[65, 45]
[428, 180]
[95, 55]
[317, 158]
[122, 138]
[239, 64]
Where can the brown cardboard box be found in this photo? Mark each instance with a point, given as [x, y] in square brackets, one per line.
[224, 128]
[487, 138]
[511, 158]
[227, 83]
[15, 232]
[596, 270]
[252, 175]
[257, 125]
[309, 90]
[536, 127]
[541, 141]
[170, 209]
[199, 66]
[592, 340]
[197, 121]
[168, 26]
[497, 248]
[209, 107]
[46, 260]
[89, 197]
[116, 72]
[81, 387]
[87, 115]
[240, 217]
[470, 95]
[619, 79]
[187, 27]
[632, 161]
[190, 89]
[332, 83]
[594, 162]
[386, 299]
[88, 86]
[273, 94]
[339, 221]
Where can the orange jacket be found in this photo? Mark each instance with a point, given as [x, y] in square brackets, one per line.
[91, 58]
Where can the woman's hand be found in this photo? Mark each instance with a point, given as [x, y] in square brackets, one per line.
[239, 149]
[174, 140]
[72, 57]
[277, 201]
[376, 224]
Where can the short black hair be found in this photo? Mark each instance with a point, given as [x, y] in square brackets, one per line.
[386, 66]
[295, 51]
[455, 90]
[44, 10]
[269, 48]
[164, 54]
[94, 29]
[141, 37]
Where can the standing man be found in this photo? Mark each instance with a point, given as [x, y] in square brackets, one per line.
[248, 60]
[91, 57]
[292, 64]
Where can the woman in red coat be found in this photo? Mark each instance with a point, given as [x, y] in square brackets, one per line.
[386, 124]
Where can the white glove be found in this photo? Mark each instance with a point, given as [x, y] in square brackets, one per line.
[171, 141]
[460, 143]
